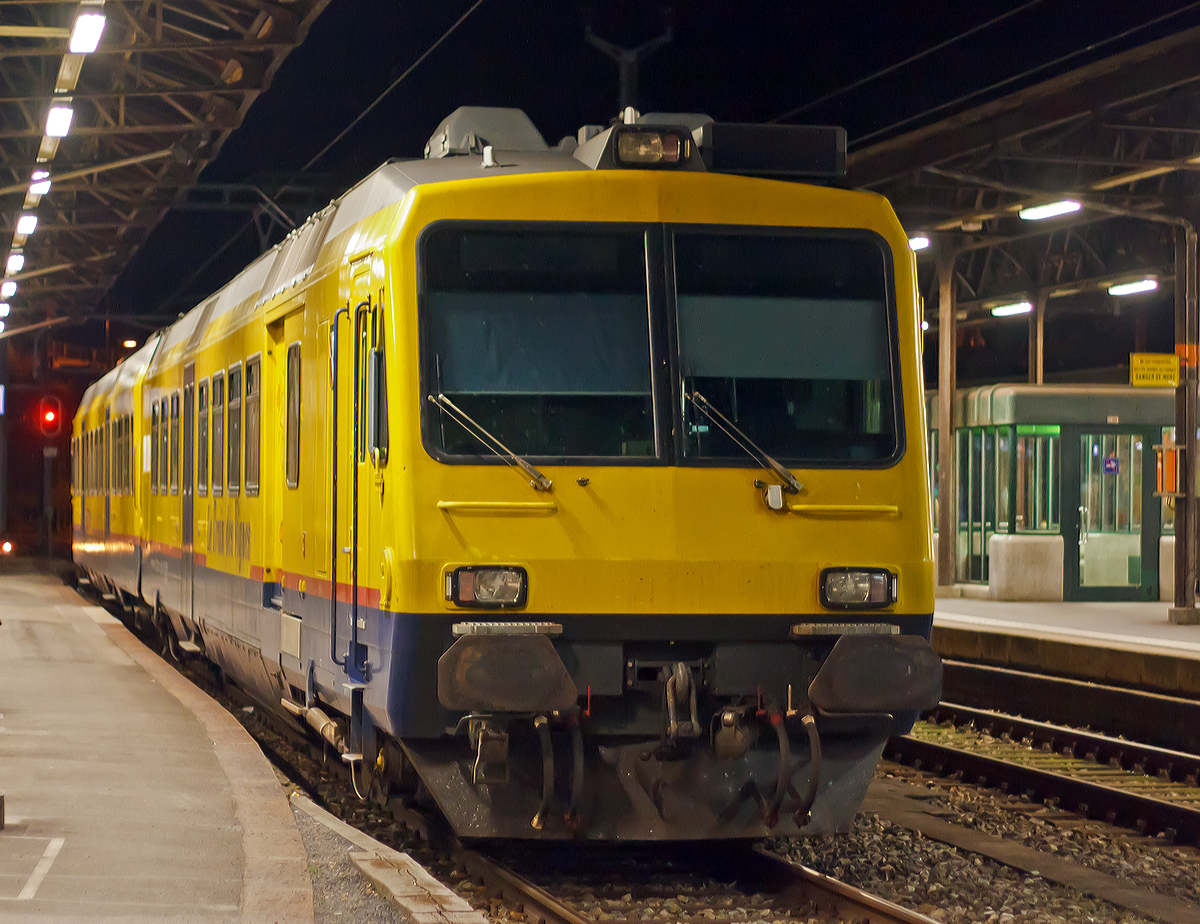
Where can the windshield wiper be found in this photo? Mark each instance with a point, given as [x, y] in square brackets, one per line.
[536, 479]
[735, 433]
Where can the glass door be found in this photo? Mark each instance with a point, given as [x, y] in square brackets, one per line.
[1110, 510]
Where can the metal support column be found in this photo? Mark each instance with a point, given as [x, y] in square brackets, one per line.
[48, 455]
[5, 400]
[1037, 340]
[947, 357]
[1187, 345]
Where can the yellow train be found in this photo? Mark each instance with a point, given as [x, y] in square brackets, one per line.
[584, 485]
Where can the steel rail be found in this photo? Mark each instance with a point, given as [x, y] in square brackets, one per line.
[830, 894]
[1151, 718]
[538, 905]
[1129, 755]
[1090, 799]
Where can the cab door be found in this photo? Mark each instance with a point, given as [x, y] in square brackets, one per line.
[186, 493]
[293, 544]
[354, 474]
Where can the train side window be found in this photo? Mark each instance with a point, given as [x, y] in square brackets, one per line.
[129, 454]
[218, 433]
[253, 428]
[174, 443]
[293, 415]
[125, 454]
[202, 440]
[164, 447]
[234, 407]
[154, 448]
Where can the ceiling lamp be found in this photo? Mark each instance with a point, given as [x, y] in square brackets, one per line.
[16, 260]
[1050, 210]
[4, 309]
[40, 184]
[130, 344]
[85, 34]
[58, 120]
[920, 242]
[8, 289]
[1003, 311]
[1133, 288]
[26, 224]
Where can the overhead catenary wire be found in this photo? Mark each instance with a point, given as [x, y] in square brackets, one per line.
[325, 150]
[833, 94]
[1024, 75]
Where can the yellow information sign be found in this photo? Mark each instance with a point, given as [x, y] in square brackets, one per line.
[1154, 370]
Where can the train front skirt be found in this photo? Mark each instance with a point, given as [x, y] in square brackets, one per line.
[634, 791]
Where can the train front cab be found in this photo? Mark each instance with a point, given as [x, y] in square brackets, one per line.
[674, 602]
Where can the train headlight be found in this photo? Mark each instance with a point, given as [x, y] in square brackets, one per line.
[638, 148]
[857, 588]
[487, 587]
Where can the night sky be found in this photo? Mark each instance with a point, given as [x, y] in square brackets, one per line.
[737, 61]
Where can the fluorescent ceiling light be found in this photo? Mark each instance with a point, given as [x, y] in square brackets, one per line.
[920, 242]
[41, 182]
[16, 260]
[26, 224]
[8, 289]
[1132, 288]
[1003, 311]
[4, 309]
[1050, 210]
[58, 120]
[1, 327]
[85, 34]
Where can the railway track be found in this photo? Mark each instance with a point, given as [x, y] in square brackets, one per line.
[1152, 718]
[772, 889]
[540, 884]
[1149, 789]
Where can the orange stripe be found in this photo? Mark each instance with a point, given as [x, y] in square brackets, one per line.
[1188, 353]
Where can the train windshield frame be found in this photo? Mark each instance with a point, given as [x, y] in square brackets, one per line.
[791, 336]
[578, 343]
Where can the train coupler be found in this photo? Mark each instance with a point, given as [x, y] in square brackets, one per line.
[680, 692]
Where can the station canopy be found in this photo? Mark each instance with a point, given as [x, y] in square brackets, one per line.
[108, 113]
[1120, 137]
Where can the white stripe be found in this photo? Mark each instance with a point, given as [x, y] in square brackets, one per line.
[943, 617]
[39, 871]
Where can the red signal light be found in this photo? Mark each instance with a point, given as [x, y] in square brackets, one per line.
[49, 415]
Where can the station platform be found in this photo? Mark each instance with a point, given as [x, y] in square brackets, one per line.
[128, 794]
[1121, 644]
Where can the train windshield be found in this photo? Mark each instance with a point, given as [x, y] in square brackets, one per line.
[788, 338]
[542, 338]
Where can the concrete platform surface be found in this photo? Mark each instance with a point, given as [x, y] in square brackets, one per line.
[129, 794]
[1132, 626]
[1120, 644]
